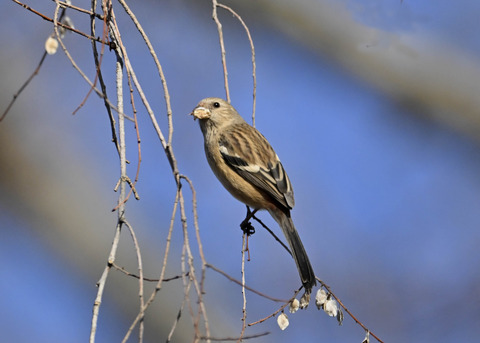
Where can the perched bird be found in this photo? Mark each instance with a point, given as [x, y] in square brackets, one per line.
[248, 167]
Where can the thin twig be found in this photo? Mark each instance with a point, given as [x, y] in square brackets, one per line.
[98, 74]
[126, 272]
[179, 314]
[166, 93]
[118, 39]
[191, 267]
[80, 71]
[222, 47]
[321, 282]
[347, 310]
[158, 287]
[140, 272]
[195, 218]
[129, 181]
[252, 49]
[223, 339]
[244, 307]
[43, 16]
[277, 311]
[35, 72]
[79, 9]
[121, 210]
[170, 155]
[173, 165]
[272, 233]
[208, 265]
[102, 282]
[199, 244]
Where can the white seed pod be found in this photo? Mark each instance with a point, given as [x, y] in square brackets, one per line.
[304, 300]
[320, 298]
[294, 305]
[51, 45]
[68, 21]
[330, 307]
[282, 321]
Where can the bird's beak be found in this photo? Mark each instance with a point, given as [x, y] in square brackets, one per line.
[201, 113]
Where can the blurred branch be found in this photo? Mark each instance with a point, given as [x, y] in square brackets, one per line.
[35, 72]
[435, 78]
[25, 84]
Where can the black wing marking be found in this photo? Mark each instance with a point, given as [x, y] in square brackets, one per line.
[271, 179]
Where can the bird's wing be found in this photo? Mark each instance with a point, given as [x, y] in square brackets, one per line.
[249, 154]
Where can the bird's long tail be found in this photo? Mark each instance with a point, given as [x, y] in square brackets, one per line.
[298, 251]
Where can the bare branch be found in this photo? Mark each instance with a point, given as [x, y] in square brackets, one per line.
[158, 287]
[222, 47]
[272, 233]
[244, 308]
[166, 93]
[121, 209]
[126, 272]
[277, 311]
[66, 27]
[223, 339]
[35, 72]
[218, 270]
[252, 49]
[347, 310]
[79, 9]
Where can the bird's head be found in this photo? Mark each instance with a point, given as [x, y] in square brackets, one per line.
[216, 110]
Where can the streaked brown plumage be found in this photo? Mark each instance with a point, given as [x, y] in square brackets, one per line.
[248, 167]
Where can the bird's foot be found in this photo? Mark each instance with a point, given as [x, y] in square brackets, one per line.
[245, 225]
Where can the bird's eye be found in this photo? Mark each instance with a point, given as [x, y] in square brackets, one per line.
[216, 104]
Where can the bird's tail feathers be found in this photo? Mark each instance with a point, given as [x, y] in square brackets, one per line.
[296, 246]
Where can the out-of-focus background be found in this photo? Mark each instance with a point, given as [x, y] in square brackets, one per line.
[373, 107]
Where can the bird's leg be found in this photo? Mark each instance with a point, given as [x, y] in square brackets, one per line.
[246, 226]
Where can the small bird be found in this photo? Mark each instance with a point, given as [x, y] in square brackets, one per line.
[248, 167]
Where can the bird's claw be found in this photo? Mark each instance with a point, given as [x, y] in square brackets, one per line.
[247, 228]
